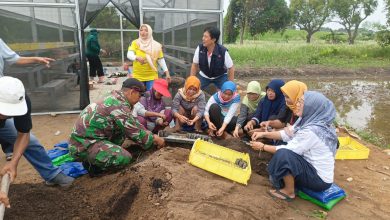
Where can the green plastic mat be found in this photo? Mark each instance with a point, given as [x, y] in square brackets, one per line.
[62, 159]
[328, 206]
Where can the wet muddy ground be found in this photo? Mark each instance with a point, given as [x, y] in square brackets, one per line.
[361, 97]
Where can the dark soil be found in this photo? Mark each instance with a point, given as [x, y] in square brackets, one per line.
[105, 197]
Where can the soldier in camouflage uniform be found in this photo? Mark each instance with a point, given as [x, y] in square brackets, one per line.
[102, 128]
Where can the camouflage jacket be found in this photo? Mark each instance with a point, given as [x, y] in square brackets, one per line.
[109, 120]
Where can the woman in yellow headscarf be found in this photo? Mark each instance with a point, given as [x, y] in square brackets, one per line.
[248, 105]
[188, 105]
[146, 53]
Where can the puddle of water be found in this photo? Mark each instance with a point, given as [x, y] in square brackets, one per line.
[362, 104]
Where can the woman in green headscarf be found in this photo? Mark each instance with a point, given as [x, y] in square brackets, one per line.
[248, 106]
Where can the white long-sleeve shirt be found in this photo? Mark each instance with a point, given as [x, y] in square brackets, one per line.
[161, 62]
[313, 150]
[227, 112]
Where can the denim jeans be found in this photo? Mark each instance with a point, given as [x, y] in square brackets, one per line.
[204, 82]
[34, 153]
[148, 84]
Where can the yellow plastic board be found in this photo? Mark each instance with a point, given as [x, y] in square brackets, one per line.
[351, 149]
[220, 160]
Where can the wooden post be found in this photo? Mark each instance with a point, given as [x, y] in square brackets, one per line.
[5, 181]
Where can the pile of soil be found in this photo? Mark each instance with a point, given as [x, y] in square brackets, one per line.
[162, 186]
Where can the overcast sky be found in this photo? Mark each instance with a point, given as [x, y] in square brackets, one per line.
[378, 16]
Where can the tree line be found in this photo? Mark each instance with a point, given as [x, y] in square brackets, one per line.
[261, 16]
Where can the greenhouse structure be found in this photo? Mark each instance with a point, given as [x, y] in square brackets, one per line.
[58, 29]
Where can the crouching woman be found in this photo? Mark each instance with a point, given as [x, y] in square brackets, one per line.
[189, 104]
[308, 158]
[221, 109]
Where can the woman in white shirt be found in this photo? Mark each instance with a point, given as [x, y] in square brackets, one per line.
[308, 158]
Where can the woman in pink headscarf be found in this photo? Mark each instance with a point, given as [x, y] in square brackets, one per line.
[146, 53]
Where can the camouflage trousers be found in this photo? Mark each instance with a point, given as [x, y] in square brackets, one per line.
[104, 155]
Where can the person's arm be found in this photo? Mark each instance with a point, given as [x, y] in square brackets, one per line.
[232, 111]
[164, 67]
[195, 63]
[206, 113]
[201, 105]
[257, 115]
[242, 116]
[30, 60]
[21, 143]
[154, 114]
[176, 104]
[131, 55]
[134, 131]
[229, 65]
[231, 73]
[194, 69]
[257, 145]
[274, 135]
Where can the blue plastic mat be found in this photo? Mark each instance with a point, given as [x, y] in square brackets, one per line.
[326, 196]
[59, 155]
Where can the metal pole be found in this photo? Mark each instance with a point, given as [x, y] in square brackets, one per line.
[181, 10]
[221, 21]
[121, 26]
[84, 87]
[36, 4]
[5, 181]
[141, 13]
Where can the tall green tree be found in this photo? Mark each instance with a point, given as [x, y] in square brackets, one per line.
[272, 15]
[231, 27]
[259, 16]
[309, 15]
[351, 13]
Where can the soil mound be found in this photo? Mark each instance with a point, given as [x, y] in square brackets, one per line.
[163, 186]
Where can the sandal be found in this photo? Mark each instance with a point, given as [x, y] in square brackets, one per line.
[286, 197]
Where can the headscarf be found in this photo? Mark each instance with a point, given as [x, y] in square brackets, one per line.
[149, 46]
[151, 103]
[319, 114]
[228, 85]
[253, 87]
[194, 82]
[272, 107]
[294, 90]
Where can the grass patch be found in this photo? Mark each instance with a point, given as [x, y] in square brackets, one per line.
[373, 139]
[294, 54]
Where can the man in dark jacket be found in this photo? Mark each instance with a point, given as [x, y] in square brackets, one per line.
[212, 60]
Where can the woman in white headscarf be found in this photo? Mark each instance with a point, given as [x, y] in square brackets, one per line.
[146, 53]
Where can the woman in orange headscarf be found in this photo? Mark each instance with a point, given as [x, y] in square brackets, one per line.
[189, 104]
[146, 53]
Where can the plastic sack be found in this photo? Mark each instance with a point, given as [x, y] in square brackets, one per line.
[328, 206]
[73, 169]
[325, 196]
[62, 144]
[56, 152]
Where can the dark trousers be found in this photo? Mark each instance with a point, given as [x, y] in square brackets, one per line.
[217, 118]
[285, 162]
[95, 66]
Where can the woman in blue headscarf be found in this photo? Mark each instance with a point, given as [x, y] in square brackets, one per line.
[308, 158]
[269, 106]
[220, 111]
